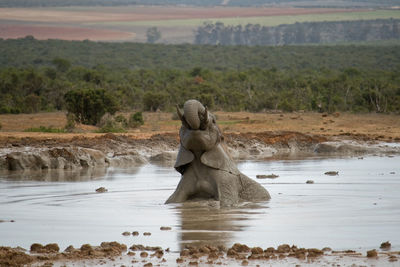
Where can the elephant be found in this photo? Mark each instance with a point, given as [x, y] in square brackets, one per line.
[207, 170]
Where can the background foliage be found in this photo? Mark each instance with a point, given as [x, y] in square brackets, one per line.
[87, 76]
[299, 33]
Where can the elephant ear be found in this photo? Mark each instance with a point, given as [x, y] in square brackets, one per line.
[218, 158]
[184, 158]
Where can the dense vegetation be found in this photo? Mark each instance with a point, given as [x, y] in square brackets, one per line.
[309, 3]
[43, 89]
[59, 75]
[299, 33]
[27, 52]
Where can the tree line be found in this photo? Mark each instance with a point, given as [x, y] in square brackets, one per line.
[55, 87]
[298, 33]
[34, 53]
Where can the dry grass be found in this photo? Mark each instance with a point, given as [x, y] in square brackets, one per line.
[14, 31]
[386, 127]
[151, 13]
[129, 23]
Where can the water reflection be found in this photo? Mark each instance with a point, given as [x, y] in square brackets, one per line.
[204, 222]
[56, 175]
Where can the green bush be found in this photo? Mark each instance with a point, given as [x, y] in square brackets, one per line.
[89, 105]
[70, 125]
[136, 120]
[122, 120]
[111, 127]
[44, 129]
[109, 124]
[154, 101]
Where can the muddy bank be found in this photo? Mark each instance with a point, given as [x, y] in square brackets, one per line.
[102, 151]
[237, 255]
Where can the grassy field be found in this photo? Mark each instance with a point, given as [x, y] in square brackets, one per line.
[375, 126]
[262, 20]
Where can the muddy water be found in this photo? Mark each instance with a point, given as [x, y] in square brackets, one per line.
[358, 209]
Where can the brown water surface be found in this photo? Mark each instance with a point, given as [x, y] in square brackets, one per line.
[358, 209]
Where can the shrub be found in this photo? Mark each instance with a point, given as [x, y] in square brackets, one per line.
[109, 124]
[70, 125]
[44, 129]
[122, 120]
[136, 120]
[89, 105]
[154, 101]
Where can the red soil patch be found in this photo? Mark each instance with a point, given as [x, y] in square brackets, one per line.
[12, 31]
[137, 13]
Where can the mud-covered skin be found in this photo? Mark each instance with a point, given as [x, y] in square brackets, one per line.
[208, 172]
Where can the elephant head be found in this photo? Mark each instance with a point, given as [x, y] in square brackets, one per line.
[199, 135]
[199, 131]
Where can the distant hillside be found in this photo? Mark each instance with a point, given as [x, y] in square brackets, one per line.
[299, 3]
[30, 52]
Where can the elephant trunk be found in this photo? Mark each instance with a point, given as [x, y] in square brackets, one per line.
[193, 111]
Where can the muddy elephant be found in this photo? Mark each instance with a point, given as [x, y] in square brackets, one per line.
[208, 172]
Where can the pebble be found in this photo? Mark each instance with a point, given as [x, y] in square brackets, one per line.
[386, 245]
[372, 253]
[309, 182]
[332, 173]
[101, 190]
[270, 176]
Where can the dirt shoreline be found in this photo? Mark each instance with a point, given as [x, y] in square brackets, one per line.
[203, 255]
[248, 136]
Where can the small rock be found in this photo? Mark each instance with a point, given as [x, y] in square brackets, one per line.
[257, 250]
[36, 247]
[144, 254]
[101, 190]
[70, 248]
[149, 264]
[245, 263]
[283, 248]
[270, 250]
[137, 247]
[240, 247]
[332, 173]
[392, 173]
[309, 182]
[269, 176]
[126, 233]
[135, 233]
[372, 253]
[165, 228]
[147, 233]
[52, 248]
[386, 245]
